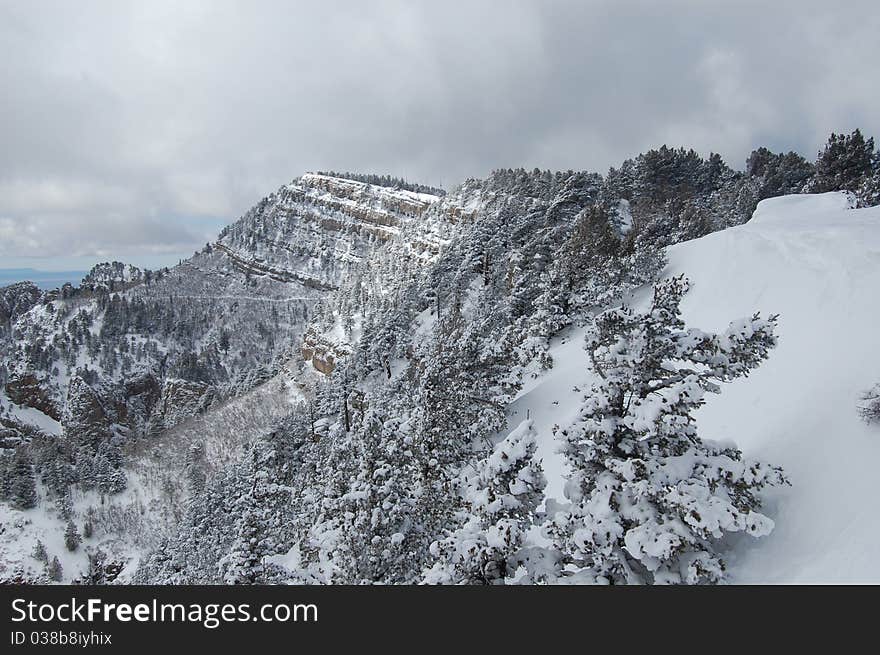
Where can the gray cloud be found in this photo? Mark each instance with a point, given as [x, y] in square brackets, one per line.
[136, 129]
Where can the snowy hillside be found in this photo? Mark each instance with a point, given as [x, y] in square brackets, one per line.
[131, 523]
[137, 361]
[816, 262]
[355, 384]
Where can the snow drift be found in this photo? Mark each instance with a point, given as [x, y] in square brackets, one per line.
[816, 262]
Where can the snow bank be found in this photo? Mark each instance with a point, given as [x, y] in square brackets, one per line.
[816, 263]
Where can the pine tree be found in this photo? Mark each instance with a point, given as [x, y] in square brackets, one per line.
[584, 272]
[382, 533]
[23, 483]
[39, 553]
[89, 524]
[195, 468]
[57, 475]
[257, 526]
[869, 193]
[649, 498]
[502, 495]
[845, 163]
[778, 174]
[96, 573]
[72, 538]
[55, 571]
[65, 506]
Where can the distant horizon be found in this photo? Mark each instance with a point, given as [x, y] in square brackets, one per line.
[83, 264]
[45, 280]
[51, 278]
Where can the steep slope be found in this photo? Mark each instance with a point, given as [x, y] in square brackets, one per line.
[160, 475]
[816, 262]
[355, 317]
[451, 355]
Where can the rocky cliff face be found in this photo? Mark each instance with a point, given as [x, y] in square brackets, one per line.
[182, 399]
[317, 229]
[29, 390]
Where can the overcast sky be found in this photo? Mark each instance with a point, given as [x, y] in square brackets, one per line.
[135, 131]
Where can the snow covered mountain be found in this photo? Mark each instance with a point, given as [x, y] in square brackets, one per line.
[368, 381]
[812, 259]
[130, 354]
[263, 276]
[318, 229]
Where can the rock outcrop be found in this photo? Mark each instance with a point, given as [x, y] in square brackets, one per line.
[322, 352]
[182, 399]
[28, 390]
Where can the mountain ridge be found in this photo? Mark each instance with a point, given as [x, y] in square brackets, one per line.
[337, 303]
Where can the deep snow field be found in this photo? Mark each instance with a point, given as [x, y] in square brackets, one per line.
[816, 262]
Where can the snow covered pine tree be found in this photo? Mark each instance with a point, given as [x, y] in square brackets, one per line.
[72, 538]
[502, 497]
[257, 522]
[649, 498]
[869, 409]
[22, 483]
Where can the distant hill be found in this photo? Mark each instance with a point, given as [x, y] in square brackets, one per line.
[43, 279]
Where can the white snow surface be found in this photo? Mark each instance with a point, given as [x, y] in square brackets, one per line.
[30, 416]
[816, 262]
